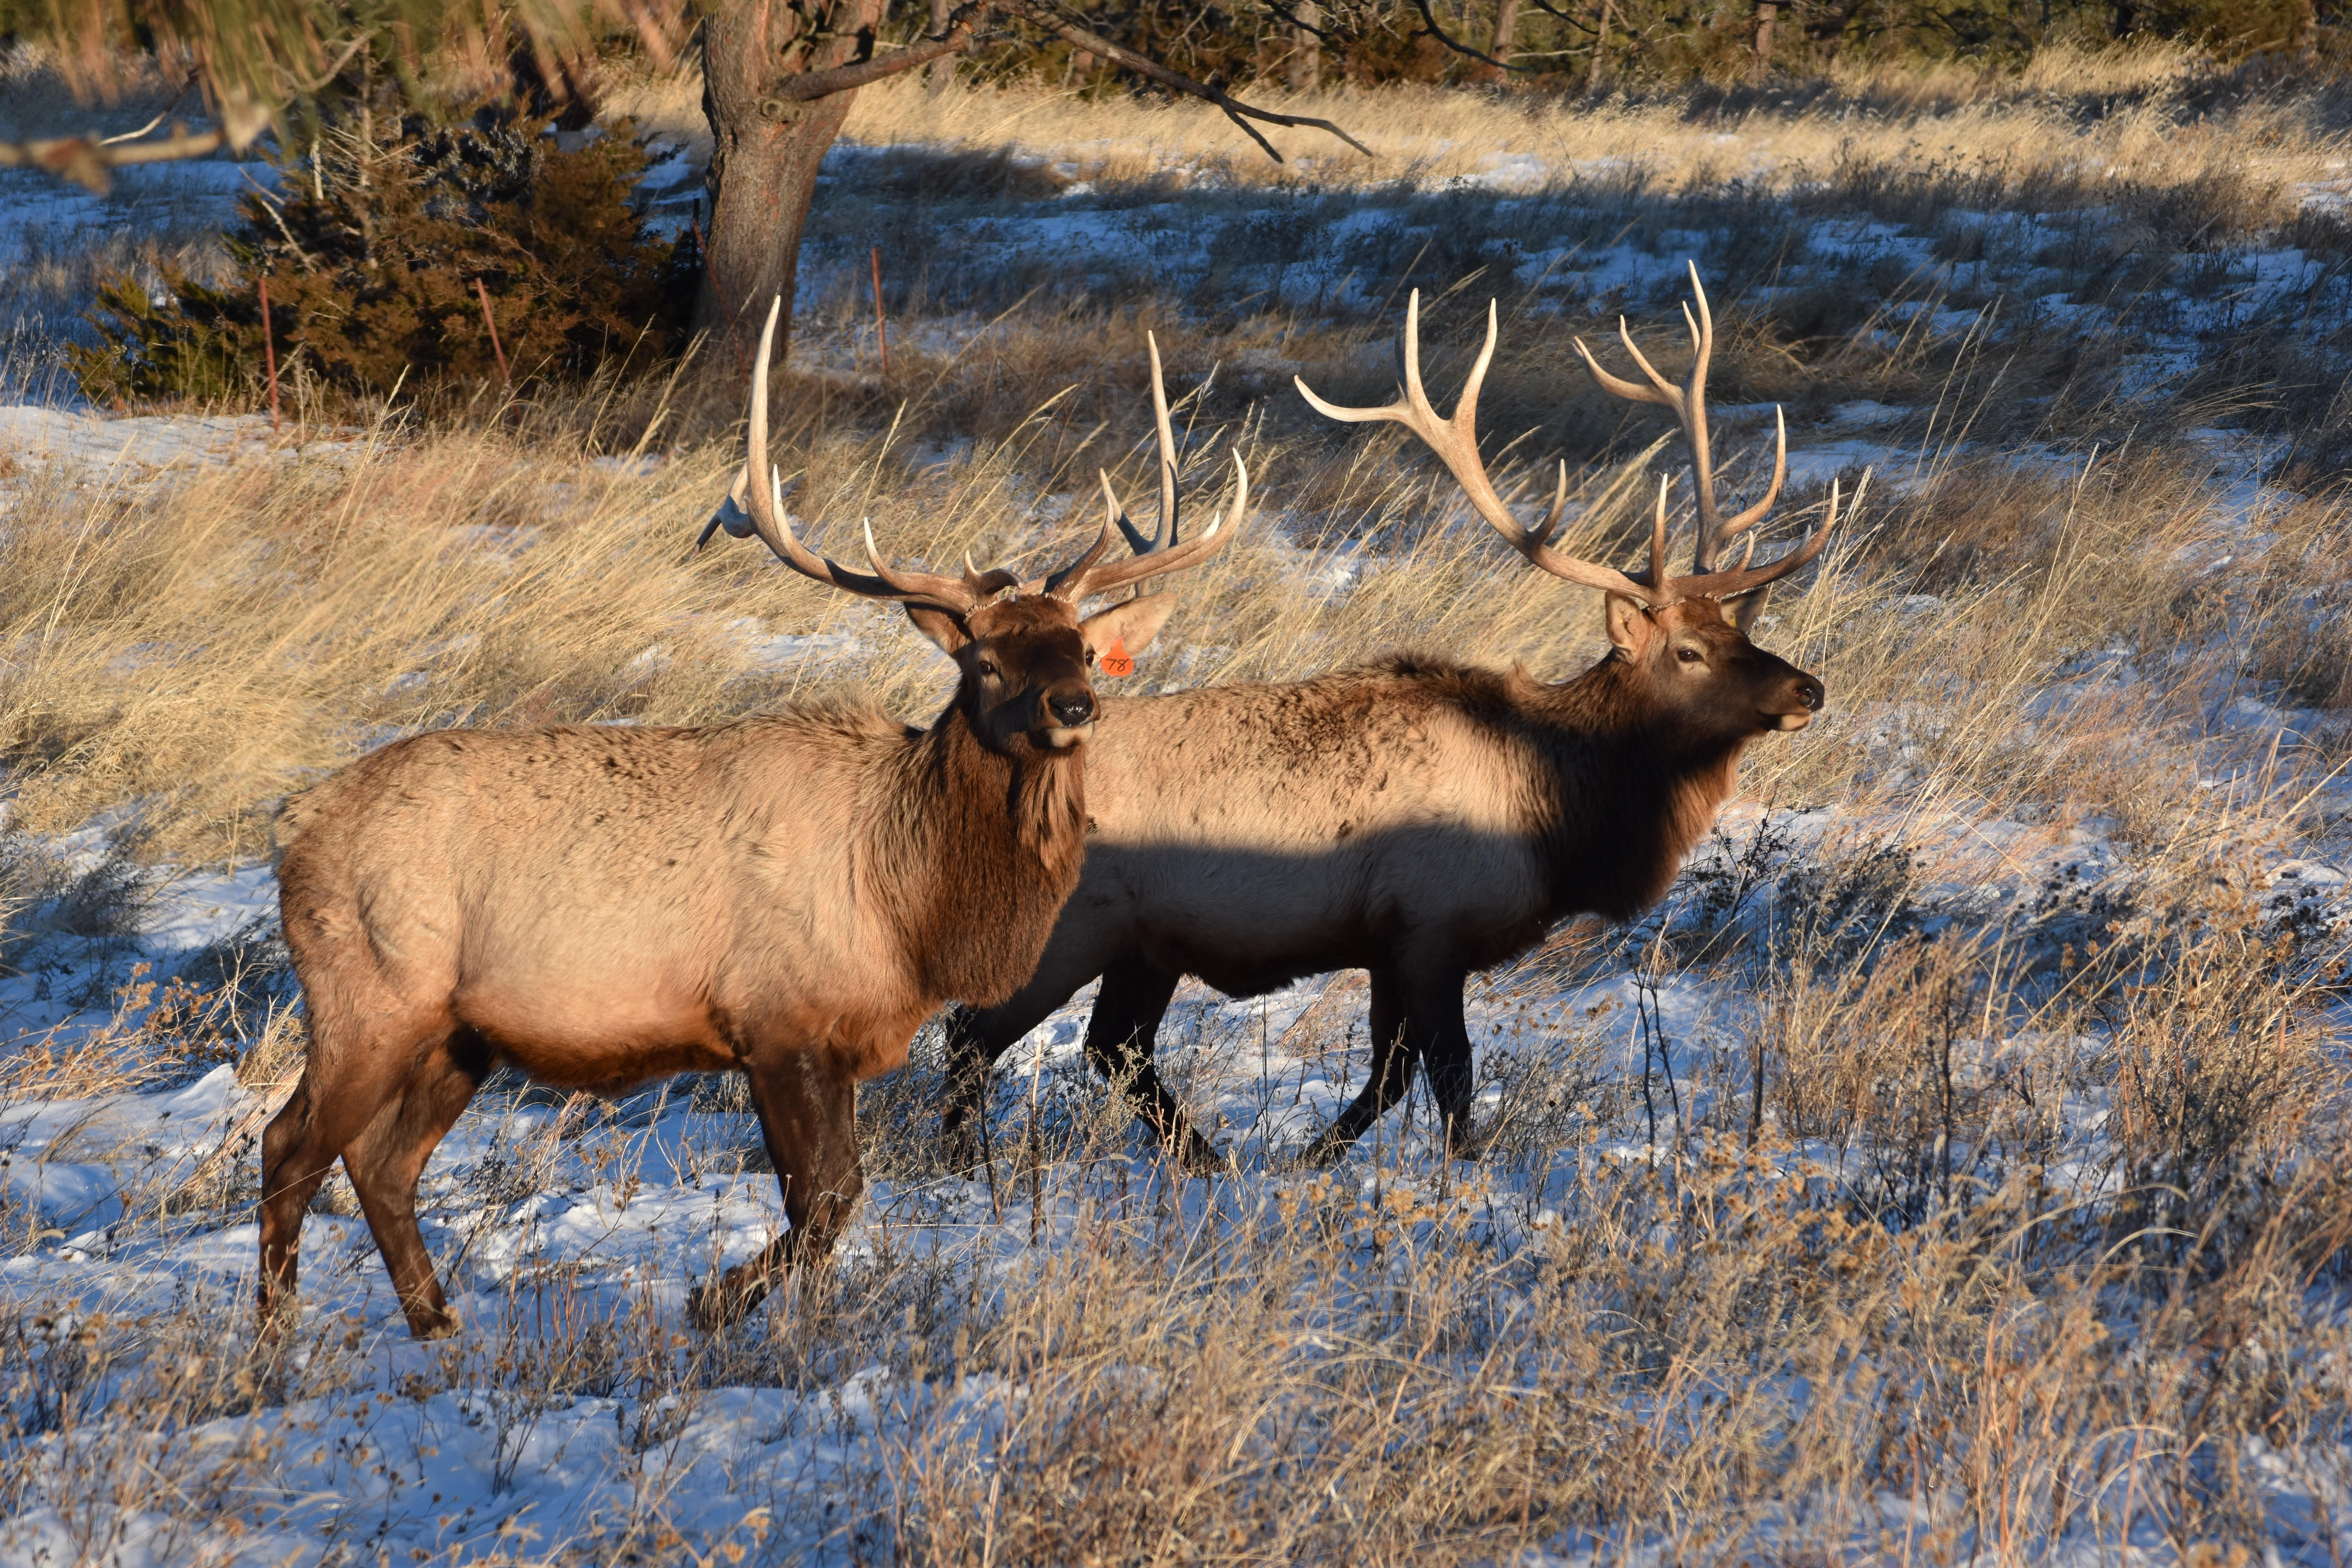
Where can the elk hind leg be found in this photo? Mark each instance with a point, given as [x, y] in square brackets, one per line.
[386, 1160]
[1394, 1051]
[807, 1102]
[351, 1075]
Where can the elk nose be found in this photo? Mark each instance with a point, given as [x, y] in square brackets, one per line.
[1812, 693]
[1072, 709]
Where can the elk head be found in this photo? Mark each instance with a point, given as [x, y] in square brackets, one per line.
[1684, 638]
[1025, 655]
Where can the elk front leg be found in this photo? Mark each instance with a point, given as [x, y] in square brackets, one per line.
[807, 1102]
[1394, 1050]
[1120, 1037]
[1434, 1006]
[977, 1037]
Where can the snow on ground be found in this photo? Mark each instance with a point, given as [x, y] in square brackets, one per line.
[89, 441]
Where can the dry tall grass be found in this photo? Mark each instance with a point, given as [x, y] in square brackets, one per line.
[2164, 114]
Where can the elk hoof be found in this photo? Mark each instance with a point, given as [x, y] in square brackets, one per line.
[1320, 1155]
[444, 1325]
[726, 1299]
[1201, 1158]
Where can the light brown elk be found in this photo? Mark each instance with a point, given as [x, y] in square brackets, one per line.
[788, 896]
[1415, 817]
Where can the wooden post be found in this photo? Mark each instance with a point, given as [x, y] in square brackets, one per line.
[1599, 47]
[881, 335]
[269, 354]
[483, 289]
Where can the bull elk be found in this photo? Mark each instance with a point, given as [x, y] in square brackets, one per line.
[1415, 817]
[788, 896]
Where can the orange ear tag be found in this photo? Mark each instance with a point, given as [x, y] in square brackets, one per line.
[1117, 661]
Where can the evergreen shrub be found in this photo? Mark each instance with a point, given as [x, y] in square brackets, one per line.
[374, 247]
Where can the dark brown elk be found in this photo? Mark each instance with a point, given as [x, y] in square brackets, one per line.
[788, 896]
[1415, 817]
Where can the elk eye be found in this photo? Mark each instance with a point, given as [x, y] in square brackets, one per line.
[1687, 655]
[986, 668]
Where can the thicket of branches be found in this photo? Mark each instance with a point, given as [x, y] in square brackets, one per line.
[265, 53]
[1574, 42]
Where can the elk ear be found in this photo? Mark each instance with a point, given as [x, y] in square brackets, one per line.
[1131, 625]
[1742, 611]
[944, 627]
[1630, 625]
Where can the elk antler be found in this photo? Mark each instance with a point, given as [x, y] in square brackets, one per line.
[1163, 533]
[1688, 402]
[1456, 442]
[752, 508]
[767, 518]
[1166, 535]
[1163, 551]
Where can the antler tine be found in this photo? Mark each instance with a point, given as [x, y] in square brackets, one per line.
[1658, 579]
[1702, 331]
[1086, 578]
[1748, 580]
[1725, 530]
[1456, 442]
[775, 529]
[1164, 533]
[1067, 583]
[989, 583]
[1617, 386]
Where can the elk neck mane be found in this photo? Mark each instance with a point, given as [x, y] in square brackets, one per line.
[1623, 793]
[982, 849]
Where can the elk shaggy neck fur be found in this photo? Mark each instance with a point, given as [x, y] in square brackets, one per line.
[980, 852]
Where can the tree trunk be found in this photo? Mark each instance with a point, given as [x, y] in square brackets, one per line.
[1306, 49]
[1507, 33]
[1600, 48]
[766, 150]
[942, 72]
[1767, 12]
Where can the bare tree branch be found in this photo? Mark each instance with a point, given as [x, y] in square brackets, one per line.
[1050, 18]
[1289, 18]
[1431, 29]
[162, 114]
[90, 163]
[958, 37]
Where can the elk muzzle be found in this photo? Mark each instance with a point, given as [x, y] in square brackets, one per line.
[1070, 718]
[1810, 692]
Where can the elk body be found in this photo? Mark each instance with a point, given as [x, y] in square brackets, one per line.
[1417, 818]
[788, 896]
